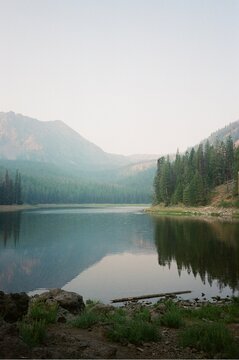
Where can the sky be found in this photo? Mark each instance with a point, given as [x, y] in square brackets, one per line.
[132, 76]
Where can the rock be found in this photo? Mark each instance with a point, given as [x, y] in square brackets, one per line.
[13, 306]
[70, 301]
[102, 309]
[161, 307]
[64, 315]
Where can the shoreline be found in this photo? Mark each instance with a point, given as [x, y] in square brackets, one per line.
[209, 212]
[202, 211]
[171, 328]
[13, 208]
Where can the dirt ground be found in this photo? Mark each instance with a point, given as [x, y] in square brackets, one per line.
[66, 342]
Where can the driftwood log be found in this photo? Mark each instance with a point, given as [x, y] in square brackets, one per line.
[150, 296]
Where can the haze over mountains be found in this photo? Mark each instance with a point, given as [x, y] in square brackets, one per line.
[24, 138]
[51, 152]
[50, 155]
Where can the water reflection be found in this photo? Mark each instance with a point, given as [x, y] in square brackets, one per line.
[206, 248]
[10, 227]
[54, 247]
[120, 248]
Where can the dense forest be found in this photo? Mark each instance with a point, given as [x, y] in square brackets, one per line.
[73, 191]
[10, 189]
[190, 178]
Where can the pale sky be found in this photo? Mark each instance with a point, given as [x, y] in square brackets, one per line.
[132, 76]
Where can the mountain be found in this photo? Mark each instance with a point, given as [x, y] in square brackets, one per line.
[230, 130]
[54, 159]
[24, 138]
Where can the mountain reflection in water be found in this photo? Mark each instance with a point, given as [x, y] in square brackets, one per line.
[106, 252]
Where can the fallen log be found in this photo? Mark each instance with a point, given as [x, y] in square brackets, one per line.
[150, 296]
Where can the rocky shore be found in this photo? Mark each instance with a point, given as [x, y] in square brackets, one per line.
[81, 330]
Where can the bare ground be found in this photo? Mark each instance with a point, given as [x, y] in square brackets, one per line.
[66, 342]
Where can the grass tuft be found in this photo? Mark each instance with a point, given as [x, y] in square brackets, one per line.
[40, 310]
[212, 338]
[172, 318]
[32, 333]
[87, 319]
[133, 331]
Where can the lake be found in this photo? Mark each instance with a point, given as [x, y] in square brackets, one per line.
[109, 252]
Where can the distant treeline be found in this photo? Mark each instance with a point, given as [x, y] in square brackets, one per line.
[10, 189]
[190, 178]
[47, 190]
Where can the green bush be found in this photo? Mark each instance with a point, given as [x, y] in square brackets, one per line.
[208, 311]
[226, 204]
[133, 331]
[87, 319]
[40, 310]
[212, 338]
[172, 318]
[226, 313]
[32, 333]
[142, 314]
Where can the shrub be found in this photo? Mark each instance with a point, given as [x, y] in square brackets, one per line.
[172, 318]
[133, 331]
[32, 333]
[142, 314]
[208, 311]
[211, 338]
[87, 319]
[40, 310]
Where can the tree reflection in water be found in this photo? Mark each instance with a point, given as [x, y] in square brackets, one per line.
[208, 248]
[10, 227]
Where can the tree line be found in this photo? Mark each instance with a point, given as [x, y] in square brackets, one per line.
[73, 191]
[11, 189]
[190, 178]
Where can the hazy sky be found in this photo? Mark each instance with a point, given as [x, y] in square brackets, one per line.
[132, 76]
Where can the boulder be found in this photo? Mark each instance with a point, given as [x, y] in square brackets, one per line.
[13, 306]
[70, 301]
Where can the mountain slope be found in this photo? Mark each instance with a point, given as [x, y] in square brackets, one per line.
[230, 130]
[24, 138]
[58, 165]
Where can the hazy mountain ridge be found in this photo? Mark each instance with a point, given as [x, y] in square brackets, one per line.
[51, 155]
[50, 152]
[24, 138]
[229, 130]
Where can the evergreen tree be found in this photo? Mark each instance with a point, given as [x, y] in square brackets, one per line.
[191, 177]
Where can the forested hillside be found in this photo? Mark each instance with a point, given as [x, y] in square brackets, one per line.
[231, 130]
[190, 178]
[10, 189]
[45, 183]
[58, 165]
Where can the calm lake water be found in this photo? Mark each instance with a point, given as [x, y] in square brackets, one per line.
[105, 253]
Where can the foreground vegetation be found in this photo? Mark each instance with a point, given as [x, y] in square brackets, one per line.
[170, 328]
[205, 327]
[32, 329]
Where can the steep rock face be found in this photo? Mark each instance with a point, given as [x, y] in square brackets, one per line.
[24, 138]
